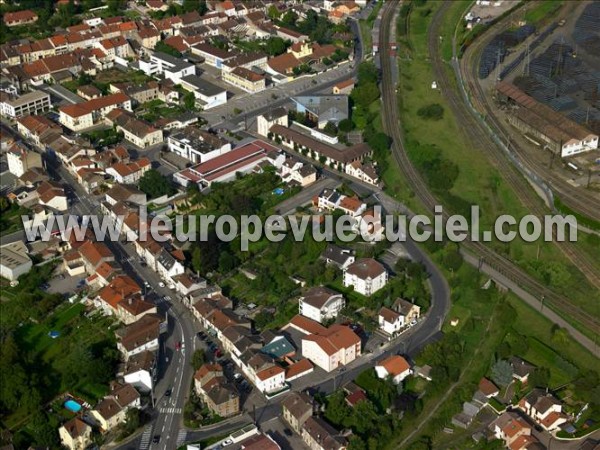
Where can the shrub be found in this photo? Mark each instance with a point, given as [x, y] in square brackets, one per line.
[435, 111]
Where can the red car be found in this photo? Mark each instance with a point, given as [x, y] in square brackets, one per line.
[178, 346]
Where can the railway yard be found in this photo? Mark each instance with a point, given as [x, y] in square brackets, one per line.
[517, 174]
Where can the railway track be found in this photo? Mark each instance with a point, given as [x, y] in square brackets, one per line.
[575, 198]
[391, 122]
[480, 137]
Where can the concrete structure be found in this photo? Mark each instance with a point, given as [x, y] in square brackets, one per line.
[225, 167]
[31, 103]
[296, 409]
[207, 94]
[170, 67]
[322, 109]
[546, 126]
[137, 131]
[197, 145]
[245, 79]
[332, 156]
[20, 160]
[14, 260]
[80, 116]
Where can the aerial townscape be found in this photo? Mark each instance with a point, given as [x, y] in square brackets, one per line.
[121, 116]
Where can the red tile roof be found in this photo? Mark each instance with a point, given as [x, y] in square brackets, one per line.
[395, 365]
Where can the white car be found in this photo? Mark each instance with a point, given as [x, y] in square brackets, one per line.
[226, 442]
[161, 284]
[413, 323]
[171, 286]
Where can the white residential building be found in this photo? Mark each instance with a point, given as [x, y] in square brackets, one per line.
[278, 116]
[321, 303]
[332, 348]
[207, 94]
[20, 160]
[390, 322]
[197, 145]
[270, 380]
[395, 367]
[170, 67]
[366, 276]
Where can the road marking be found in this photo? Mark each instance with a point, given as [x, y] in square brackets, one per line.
[181, 438]
[170, 411]
[146, 436]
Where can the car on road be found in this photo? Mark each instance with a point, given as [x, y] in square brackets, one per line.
[156, 439]
[161, 284]
[178, 345]
[288, 432]
[168, 392]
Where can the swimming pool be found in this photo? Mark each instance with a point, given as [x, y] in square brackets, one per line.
[72, 405]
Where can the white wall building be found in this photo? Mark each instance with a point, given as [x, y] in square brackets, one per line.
[321, 303]
[162, 64]
[366, 276]
[20, 160]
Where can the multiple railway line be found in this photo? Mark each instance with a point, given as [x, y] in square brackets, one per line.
[575, 198]
[391, 121]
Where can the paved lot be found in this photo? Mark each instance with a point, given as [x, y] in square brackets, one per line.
[64, 285]
[277, 428]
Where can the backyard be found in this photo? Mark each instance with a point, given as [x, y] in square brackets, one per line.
[49, 347]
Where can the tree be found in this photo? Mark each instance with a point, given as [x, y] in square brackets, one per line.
[434, 111]
[154, 184]
[367, 73]
[290, 18]
[273, 12]
[453, 260]
[345, 125]
[198, 358]
[197, 258]
[540, 378]
[502, 373]
[275, 46]
[364, 94]
[189, 101]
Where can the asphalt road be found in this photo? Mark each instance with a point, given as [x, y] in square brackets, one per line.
[174, 373]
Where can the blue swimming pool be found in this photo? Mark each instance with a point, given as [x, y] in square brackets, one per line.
[72, 405]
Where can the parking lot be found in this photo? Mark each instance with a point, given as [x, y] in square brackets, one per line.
[65, 284]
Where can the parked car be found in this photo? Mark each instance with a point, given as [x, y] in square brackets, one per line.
[168, 392]
[156, 439]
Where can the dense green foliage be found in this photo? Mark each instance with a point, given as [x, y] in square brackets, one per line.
[435, 111]
[36, 368]
[154, 184]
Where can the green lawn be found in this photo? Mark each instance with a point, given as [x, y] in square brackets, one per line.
[542, 12]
